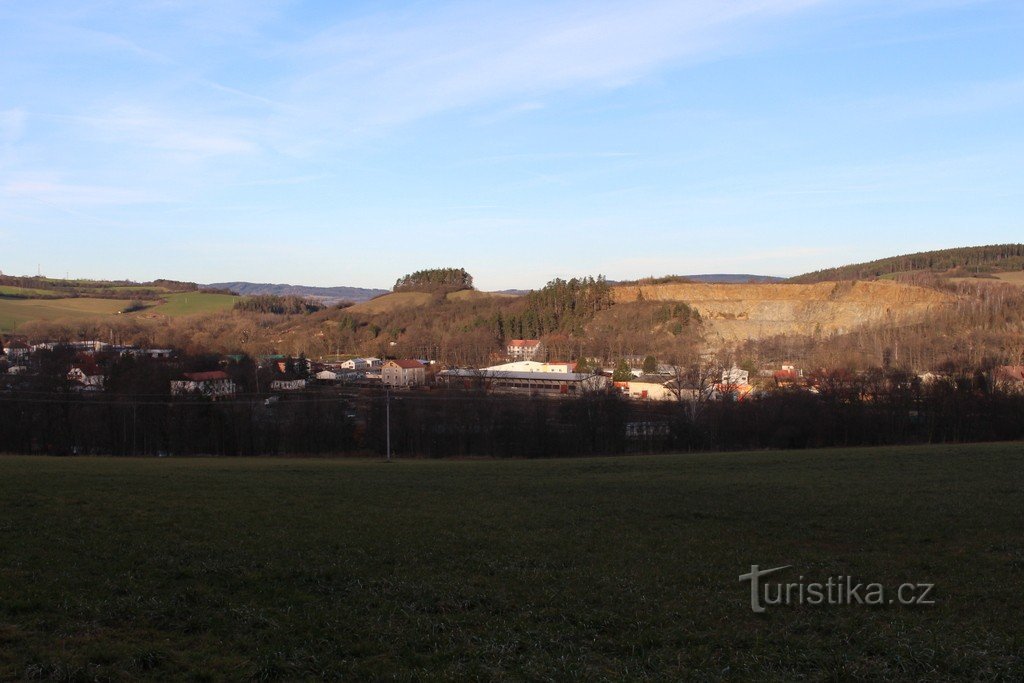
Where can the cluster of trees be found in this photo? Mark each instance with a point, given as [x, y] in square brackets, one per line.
[435, 279]
[998, 257]
[850, 410]
[144, 426]
[278, 305]
[561, 306]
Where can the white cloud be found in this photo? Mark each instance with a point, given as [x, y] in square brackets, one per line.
[184, 136]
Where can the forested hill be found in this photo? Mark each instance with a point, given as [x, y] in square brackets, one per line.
[996, 258]
[327, 295]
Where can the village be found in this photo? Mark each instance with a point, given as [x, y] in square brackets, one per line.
[524, 370]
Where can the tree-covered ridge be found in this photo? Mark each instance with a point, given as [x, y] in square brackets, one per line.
[564, 306]
[435, 279]
[971, 260]
[278, 305]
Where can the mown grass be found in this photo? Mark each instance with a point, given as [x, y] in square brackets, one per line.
[618, 568]
[191, 303]
[14, 312]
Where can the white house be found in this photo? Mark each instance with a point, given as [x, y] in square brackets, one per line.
[287, 385]
[90, 381]
[17, 350]
[524, 349]
[403, 373]
[735, 376]
[215, 384]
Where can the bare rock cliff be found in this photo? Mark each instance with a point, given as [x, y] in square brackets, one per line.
[750, 311]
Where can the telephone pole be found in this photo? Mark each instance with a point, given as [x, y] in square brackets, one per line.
[387, 411]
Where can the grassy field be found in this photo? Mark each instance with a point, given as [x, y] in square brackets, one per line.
[393, 302]
[476, 295]
[13, 312]
[9, 290]
[599, 568]
[190, 303]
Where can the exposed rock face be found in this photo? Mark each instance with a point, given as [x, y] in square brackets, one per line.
[734, 312]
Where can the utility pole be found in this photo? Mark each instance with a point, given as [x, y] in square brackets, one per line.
[388, 420]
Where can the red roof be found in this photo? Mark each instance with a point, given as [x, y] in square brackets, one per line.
[206, 376]
[408, 364]
[524, 342]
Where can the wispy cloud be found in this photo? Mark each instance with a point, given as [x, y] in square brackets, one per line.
[186, 137]
[387, 70]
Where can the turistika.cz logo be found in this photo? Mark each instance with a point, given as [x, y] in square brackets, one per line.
[837, 590]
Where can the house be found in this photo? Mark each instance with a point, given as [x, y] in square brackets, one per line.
[214, 384]
[16, 350]
[532, 383]
[524, 349]
[647, 388]
[328, 376]
[403, 373]
[361, 363]
[735, 376]
[288, 385]
[85, 380]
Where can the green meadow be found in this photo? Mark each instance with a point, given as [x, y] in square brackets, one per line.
[610, 568]
[14, 312]
[190, 303]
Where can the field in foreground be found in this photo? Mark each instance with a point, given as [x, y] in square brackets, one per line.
[598, 568]
[14, 312]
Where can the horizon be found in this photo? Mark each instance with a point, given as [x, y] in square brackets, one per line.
[297, 141]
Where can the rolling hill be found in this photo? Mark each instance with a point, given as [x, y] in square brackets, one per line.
[963, 261]
[327, 295]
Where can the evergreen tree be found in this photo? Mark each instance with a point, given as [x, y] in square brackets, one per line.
[622, 372]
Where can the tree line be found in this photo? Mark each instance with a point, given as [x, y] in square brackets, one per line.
[971, 260]
[435, 279]
[869, 409]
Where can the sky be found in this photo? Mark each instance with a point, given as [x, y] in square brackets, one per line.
[348, 143]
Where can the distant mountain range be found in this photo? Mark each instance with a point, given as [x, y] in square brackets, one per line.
[328, 295]
[332, 295]
[733, 278]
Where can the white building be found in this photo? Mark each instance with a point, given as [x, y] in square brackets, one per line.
[215, 384]
[735, 376]
[288, 385]
[524, 349]
[90, 381]
[403, 373]
[534, 383]
[532, 366]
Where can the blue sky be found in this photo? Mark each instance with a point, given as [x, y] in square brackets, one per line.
[330, 143]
